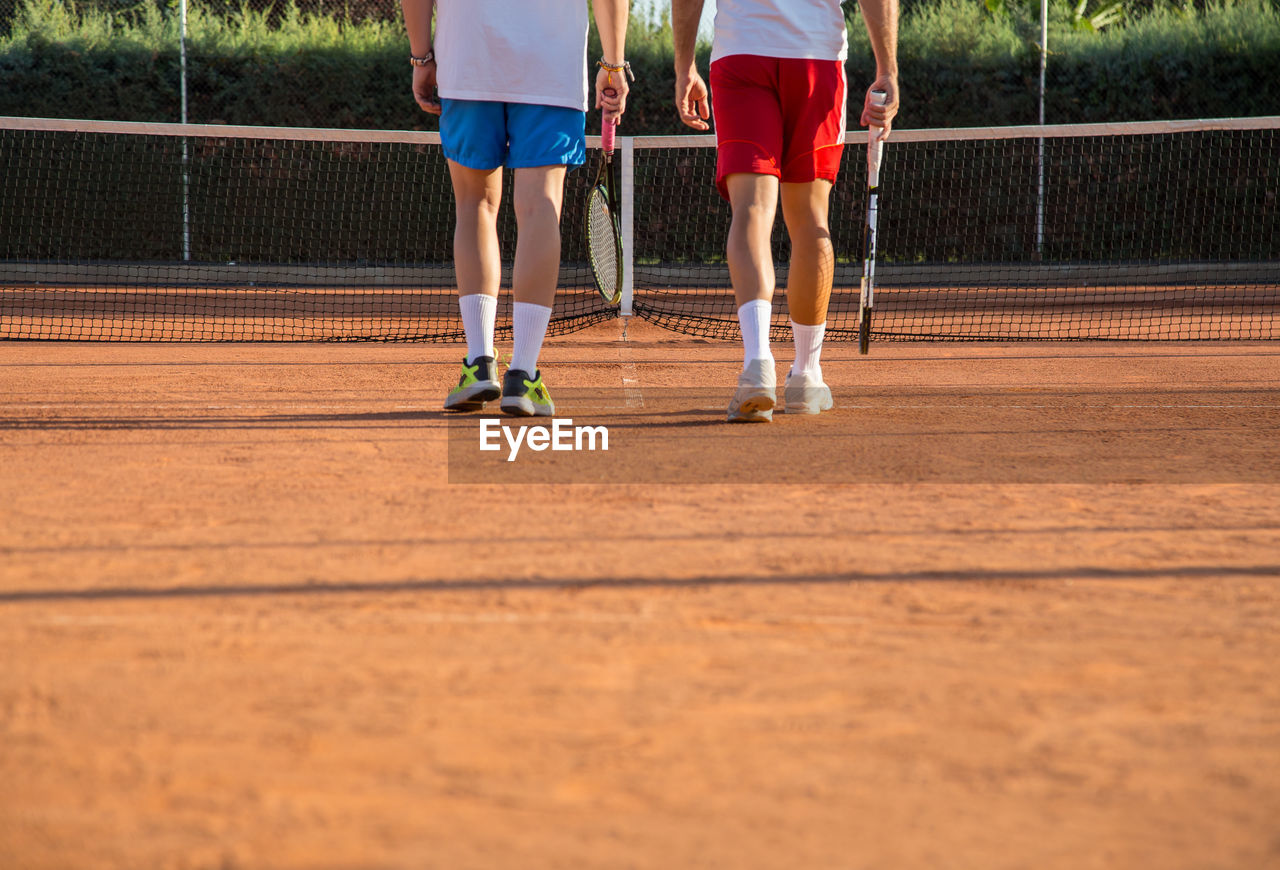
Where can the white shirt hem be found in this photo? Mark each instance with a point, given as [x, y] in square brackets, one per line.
[524, 99]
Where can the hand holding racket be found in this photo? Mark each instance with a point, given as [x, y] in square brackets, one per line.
[611, 96]
[604, 219]
[866, 298]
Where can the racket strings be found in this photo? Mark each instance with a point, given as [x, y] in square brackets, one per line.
[602, 243]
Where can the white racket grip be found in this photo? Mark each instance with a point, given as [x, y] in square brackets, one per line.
[875, 147]
[873, 217]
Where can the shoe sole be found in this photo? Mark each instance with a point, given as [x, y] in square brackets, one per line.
[823, 404]
[518, 406]
[473, 398]
[756, 409]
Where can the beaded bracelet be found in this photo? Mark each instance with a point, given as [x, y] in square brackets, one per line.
[610, 68]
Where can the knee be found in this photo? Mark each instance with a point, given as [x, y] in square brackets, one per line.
[810, 230]
[752, 220]
[537, 209]
[477, 199]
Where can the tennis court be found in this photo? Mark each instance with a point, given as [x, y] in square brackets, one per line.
[248, 621]
[1010, 603]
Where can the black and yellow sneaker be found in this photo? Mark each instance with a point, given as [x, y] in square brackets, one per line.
[524, 396]
[476, 386]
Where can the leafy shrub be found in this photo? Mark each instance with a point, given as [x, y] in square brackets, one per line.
[960, 65]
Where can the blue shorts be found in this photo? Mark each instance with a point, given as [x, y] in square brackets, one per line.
[480, 134]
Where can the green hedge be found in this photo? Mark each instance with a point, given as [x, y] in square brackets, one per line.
[959, 67]
[1225, 62]
[304, 71]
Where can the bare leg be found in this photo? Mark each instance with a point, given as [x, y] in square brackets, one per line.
[478, 268]
[477, 260]
[804, 208]
[754, 199]
[539, 192]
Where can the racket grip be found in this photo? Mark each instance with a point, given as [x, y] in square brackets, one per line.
[878, 98]
[875, 146]
[607, 130]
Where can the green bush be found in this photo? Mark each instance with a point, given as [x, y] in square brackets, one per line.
[961, 65]
[305, 70]
[1177, 63]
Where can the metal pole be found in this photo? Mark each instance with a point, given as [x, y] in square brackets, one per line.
[1044, 60]
[186, 172]
[628, 226]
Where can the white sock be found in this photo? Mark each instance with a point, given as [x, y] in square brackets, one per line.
[530, 326]
[808, 347]
[754, 319]
[478, 313]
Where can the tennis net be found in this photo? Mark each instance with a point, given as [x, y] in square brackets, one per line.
[1153, 231]
[138, 232]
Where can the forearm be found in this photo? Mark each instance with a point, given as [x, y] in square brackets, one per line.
[611, 22]
[881, 17]
[417, 21]
[685, 17]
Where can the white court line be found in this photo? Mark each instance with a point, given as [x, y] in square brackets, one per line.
[630, 376]
[391, 615]
[1065, 406]
[462, 617]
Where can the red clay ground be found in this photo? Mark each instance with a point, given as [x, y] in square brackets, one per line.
[1028, 617]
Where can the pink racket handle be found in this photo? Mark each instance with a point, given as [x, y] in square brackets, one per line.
[607, 130]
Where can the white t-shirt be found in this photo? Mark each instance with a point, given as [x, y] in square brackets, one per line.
[527, 51]
[780, 28]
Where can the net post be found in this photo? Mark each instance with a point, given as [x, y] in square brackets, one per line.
[627, 144]
[186, 167]
[1044, 62]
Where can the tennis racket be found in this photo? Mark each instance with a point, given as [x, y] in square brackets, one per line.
[866, 298]
[604, 230]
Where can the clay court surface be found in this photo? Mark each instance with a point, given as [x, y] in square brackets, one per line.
[1007, 606]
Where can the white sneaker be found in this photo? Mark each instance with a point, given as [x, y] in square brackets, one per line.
[805, 393]
[756, 395]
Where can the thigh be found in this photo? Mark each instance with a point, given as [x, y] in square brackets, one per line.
[473, 187]
[537, 186]
[748, 117]
[813, 107]
[473, 133]
[545, 136]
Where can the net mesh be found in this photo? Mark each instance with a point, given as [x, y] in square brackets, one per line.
[138, 232]
[1158, 235]
[125, 236]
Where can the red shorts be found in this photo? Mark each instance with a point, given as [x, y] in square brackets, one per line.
[778, 116]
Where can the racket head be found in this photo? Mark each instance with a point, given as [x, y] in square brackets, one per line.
[604, 245]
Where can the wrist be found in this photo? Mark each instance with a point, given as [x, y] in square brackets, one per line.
[422, 59]
[620, 67]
